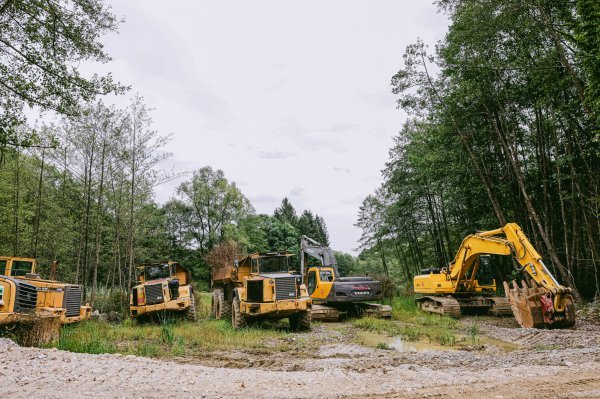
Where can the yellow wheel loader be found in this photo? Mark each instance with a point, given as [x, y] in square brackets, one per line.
[19, 316]
[336, 296]
[467, 284]
[52, 297]
[260, 286]
[18, 301]
[163, 287]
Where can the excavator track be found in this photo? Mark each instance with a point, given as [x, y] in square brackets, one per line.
[454, 306]
[439, 304]
[325, 313]
[337, 311]
[501, 306]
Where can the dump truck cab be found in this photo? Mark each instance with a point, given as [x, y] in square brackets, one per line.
[52, 297]
[262, 285]
[162, 287]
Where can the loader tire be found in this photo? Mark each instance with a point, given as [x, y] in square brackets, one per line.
[237, 318]
[190, 313]
[225, 307]
[212, 306]
[300, 321]
[222, 308]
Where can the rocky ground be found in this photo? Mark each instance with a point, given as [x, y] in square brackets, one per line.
[534, 364]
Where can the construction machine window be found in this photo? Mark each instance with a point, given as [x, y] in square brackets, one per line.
[3, 267]
[153, 272]
[274, 264]
[254, 265]
[485, 272]
[312, 282]
[326, 275]
[21, 267]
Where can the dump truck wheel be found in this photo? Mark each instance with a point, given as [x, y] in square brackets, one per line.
[191, 314]
[300, 321]
[212, 306]
[215, 304]
[237, 318]
[224, 306]
[222, 309]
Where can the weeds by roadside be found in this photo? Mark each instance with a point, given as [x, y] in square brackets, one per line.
[474, 333]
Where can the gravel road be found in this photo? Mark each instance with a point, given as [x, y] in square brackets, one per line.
[550, 364]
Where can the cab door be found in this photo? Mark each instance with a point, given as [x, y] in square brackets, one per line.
[320, 282]
[312, 281]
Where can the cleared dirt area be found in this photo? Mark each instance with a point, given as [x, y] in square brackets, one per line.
[503, 362]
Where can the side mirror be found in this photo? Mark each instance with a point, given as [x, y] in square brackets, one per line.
[236, 263]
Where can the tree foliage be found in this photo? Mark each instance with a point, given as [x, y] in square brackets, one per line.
[504, 130]
[42, 44]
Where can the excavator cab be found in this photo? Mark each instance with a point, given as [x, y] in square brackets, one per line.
[320, 281]
[335, 295]
[485, 271]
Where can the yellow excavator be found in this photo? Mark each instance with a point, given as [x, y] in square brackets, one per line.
[467, 284]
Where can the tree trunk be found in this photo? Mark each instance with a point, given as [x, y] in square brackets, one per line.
[99, 223]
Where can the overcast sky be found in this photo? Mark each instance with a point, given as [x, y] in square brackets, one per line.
[289, 98]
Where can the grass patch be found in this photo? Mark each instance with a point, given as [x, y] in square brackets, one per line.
[474, 333]
[168, 339]
[405, 309]
[412, 324]
[174, 337]
[384, 346]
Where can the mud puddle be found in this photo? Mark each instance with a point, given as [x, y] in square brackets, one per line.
[375, 340]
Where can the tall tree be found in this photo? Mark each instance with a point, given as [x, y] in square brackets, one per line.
[215, 203]
[41, 44]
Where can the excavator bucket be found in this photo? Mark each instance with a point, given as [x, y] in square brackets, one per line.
[535, 307]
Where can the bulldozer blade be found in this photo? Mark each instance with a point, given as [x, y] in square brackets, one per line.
[533, 306]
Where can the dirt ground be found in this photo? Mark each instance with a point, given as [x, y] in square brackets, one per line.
[532, 364]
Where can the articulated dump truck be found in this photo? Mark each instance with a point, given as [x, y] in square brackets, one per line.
[39, 306]
[162, 288]
[260, 286]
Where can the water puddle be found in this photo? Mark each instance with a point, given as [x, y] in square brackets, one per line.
[375, 340]
[485, 340]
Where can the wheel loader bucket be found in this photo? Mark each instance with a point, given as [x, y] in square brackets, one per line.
[536, 307]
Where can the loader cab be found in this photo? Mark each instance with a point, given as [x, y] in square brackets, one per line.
[16, 267]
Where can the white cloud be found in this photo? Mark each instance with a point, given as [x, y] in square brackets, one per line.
[287, 98]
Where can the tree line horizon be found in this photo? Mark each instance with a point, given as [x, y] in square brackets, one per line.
[503, 126]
